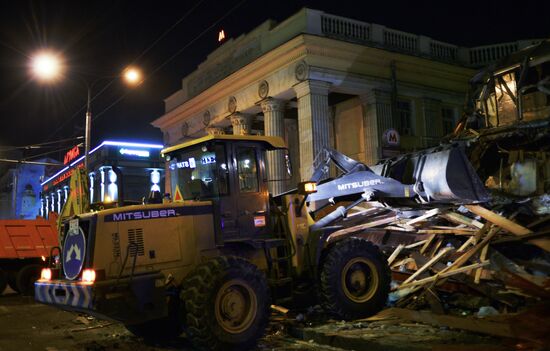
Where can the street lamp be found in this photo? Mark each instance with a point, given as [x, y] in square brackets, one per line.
[48, 67]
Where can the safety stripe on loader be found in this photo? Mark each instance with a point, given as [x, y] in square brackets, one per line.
[76, 295]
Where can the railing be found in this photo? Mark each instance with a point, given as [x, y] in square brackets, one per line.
[482, 55]
[356, 31]
[443, 51]
[340, 27]
[400, 40]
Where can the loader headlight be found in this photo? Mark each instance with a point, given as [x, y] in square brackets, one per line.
[88, 276]
[46, 274]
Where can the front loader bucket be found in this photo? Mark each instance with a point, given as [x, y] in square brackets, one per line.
[442, 175]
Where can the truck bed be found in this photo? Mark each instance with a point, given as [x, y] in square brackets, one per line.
[27, 238]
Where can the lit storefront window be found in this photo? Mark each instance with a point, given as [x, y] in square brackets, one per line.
[59, 201]
[102, 172]
[155, 180]
[52, 208]
[112, 188]
[92, 180]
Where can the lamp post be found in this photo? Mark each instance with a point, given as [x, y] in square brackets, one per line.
[48, 67]
[132, 76]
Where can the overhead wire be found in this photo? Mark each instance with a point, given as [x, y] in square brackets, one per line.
[172, 57]
[40, 145]
[156, 41]
[47, 153]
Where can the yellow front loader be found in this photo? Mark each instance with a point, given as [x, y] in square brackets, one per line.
[214, 258]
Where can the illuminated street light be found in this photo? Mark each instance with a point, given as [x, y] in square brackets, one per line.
[132, 76]
[46, 66]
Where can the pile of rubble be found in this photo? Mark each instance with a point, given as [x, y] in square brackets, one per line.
[472, 268]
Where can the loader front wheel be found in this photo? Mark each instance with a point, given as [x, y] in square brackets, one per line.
[355, 279]
[227, 304]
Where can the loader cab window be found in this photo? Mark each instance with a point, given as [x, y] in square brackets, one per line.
[248, 169]
[200, 172]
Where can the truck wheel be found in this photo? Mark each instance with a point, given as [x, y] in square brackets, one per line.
[26, 277]
[12, 281]
[3, 280]
[355, 279]
[227, 303]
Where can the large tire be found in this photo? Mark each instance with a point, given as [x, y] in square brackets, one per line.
[26, 277]
[12, 281]
[227, 303]
[3, 281]
[355, 279]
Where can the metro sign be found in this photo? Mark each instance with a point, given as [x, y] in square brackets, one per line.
[391, 137]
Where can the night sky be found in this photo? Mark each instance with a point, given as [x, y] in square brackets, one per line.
[99, 38]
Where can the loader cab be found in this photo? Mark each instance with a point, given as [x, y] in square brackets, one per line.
[228, 170]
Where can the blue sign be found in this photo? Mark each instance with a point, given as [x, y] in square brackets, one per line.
[74, 251]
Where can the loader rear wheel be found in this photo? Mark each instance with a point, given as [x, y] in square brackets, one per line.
[355, 279]
[227, 304]
[3, 280]
[26, 277]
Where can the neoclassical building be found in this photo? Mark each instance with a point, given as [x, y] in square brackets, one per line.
[322, 80]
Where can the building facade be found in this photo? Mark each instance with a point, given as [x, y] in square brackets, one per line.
[119, 173]
[20, 190]
[319, 80]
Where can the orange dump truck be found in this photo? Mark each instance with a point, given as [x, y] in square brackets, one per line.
[24, 246]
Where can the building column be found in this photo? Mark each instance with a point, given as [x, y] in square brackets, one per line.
[241, 123]
[313, 122]
[377, 117]
[274, 125]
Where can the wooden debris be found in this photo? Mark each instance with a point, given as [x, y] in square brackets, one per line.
[418, 243]
[430, 263]
[483, 258]
[446, 231]
[467, 243]
[497, 328]
[280, 309]
[444, 275]
[425, 216]
[460, 219]
[508, 225]
[497, 219]
[427, 243]
[92, 327]
[447, 250]
[361, 227]
[469, 254]
[395, 253]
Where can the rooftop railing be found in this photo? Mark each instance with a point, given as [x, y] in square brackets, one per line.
[380, 36]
